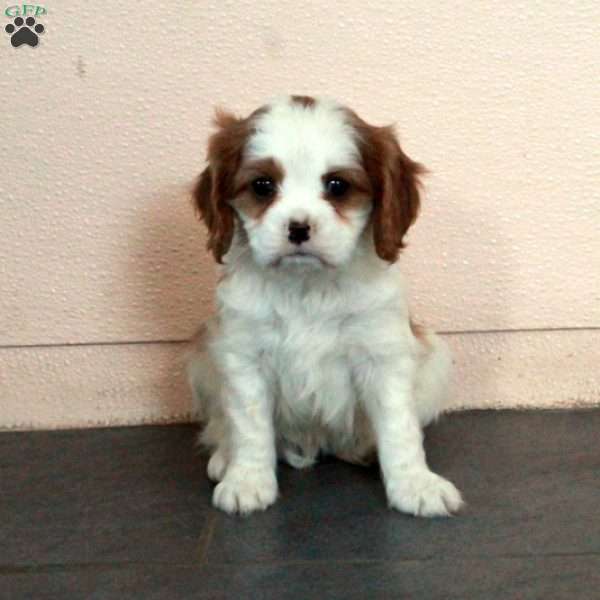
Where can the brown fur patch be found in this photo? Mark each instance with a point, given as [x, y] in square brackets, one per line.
[215, 186]
[417, 330]
[395, 183]
[357, 177]
[244, 198]
[305, 101]
[358, 195]
[420, 332]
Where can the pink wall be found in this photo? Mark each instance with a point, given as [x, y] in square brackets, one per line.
[102, 264]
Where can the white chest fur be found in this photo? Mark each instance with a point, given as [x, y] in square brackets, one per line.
[310, 333]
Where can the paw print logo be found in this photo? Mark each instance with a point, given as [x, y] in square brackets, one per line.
[24, 32]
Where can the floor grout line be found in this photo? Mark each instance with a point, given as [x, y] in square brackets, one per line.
[206, 539]
[186, 340]
[50, 567]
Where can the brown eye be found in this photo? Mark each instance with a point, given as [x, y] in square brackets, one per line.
[336, 187]
[264, 187]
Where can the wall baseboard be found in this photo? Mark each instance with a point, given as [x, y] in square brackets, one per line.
[137, 384]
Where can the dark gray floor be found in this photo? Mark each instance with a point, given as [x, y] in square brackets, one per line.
[125, 513]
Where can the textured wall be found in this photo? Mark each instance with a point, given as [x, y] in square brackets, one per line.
[104, 128]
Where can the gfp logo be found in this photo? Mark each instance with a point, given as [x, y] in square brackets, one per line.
[24, 30]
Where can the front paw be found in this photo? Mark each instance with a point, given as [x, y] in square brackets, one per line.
[245, 490]
[424, 494]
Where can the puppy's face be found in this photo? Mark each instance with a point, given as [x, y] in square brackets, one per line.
[306, 179]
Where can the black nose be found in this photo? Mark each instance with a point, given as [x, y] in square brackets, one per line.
[298, 232]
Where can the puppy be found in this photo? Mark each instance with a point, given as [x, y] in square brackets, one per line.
[312, 349]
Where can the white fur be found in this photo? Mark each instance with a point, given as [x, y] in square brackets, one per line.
[314, 354]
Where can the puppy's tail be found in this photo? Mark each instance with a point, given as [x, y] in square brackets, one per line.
[433, 376]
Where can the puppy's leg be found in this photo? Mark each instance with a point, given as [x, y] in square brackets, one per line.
[249, 482]
[205, 382]
[214, 437]
[390, 403]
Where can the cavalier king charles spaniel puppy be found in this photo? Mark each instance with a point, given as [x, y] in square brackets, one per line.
[312, 349]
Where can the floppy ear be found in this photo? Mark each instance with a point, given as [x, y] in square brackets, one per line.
[215, 186]
[216, 214]
[396, 195]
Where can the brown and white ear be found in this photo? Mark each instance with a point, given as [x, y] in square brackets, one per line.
[397, 199]
[216, 214]
[215, 186]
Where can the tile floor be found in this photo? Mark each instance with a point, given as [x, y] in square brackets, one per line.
[125, 513]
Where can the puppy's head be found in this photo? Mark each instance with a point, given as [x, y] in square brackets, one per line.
[306, 179]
